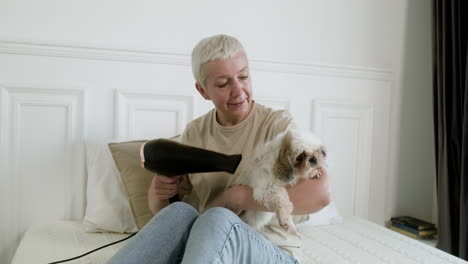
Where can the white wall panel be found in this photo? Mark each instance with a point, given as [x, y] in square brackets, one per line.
[346, 129]
[151, 115]
[41, 144]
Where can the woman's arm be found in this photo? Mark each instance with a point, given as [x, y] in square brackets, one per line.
[308, 196]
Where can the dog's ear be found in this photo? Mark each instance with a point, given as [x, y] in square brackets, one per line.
[323, 150]
[283, 166]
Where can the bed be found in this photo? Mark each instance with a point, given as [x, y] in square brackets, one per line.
[353, 240]
[116, 207]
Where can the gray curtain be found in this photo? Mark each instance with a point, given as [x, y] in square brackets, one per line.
[450, 88]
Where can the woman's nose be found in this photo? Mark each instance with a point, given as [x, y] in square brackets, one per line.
[237, 88]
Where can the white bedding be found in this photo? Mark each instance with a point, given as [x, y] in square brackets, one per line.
[352, 241]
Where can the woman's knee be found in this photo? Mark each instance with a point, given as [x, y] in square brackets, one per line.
[216, 219]
[213, 227]
[183, 208]
[219, 214]
[177, 212]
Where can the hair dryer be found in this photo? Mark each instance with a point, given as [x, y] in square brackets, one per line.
[170, 158]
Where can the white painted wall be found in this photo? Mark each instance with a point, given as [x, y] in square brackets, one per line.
[319, 32]
[414, 173]
[363, 59]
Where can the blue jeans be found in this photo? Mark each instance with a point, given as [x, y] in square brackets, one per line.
[178, 235]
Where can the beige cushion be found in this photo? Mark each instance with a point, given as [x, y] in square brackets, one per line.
[136, 179]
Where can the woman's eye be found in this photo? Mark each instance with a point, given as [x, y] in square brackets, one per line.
[222, 85]
[244, 77]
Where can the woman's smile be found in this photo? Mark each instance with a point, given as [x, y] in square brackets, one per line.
[237, 105]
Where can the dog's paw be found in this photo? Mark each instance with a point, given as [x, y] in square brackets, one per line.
[285, 221]
[315, 176]
[283, 218]
[316, 173]
[288, 225]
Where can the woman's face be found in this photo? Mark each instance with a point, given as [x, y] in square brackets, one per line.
[229, 87]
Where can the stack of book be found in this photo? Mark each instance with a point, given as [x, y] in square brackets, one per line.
[413, 227]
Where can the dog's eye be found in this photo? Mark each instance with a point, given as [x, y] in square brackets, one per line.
[301, 157]
[313, 161]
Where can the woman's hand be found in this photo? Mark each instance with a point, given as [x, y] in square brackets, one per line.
[161, 189]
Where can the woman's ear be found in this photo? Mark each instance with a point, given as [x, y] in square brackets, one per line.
[202, 91]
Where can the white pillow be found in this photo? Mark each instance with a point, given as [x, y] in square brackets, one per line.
[328, 215]
[107, 208]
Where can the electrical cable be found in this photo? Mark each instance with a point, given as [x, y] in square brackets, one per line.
[94, 250]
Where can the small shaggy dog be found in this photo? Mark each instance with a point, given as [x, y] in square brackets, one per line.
[277, 164]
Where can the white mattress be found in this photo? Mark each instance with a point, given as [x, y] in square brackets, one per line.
[360, 241]
[54, 241]
[352, 241]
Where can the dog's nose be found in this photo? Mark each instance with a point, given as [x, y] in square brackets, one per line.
[313, 161]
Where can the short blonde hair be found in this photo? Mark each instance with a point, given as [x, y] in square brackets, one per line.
[212, 48]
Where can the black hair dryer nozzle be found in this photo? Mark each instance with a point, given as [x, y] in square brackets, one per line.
[170, 158]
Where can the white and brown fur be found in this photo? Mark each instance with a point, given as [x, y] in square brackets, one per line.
[277, 164]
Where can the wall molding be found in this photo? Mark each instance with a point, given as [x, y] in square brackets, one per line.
[14, 101]
[152, 57]
[127, 104]
[15, 98]
[363, 116]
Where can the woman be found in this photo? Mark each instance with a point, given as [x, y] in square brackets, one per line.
[177, 233]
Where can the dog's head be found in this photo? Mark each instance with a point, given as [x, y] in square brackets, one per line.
[300, 156]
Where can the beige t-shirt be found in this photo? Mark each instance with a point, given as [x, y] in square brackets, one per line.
[261, 125]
